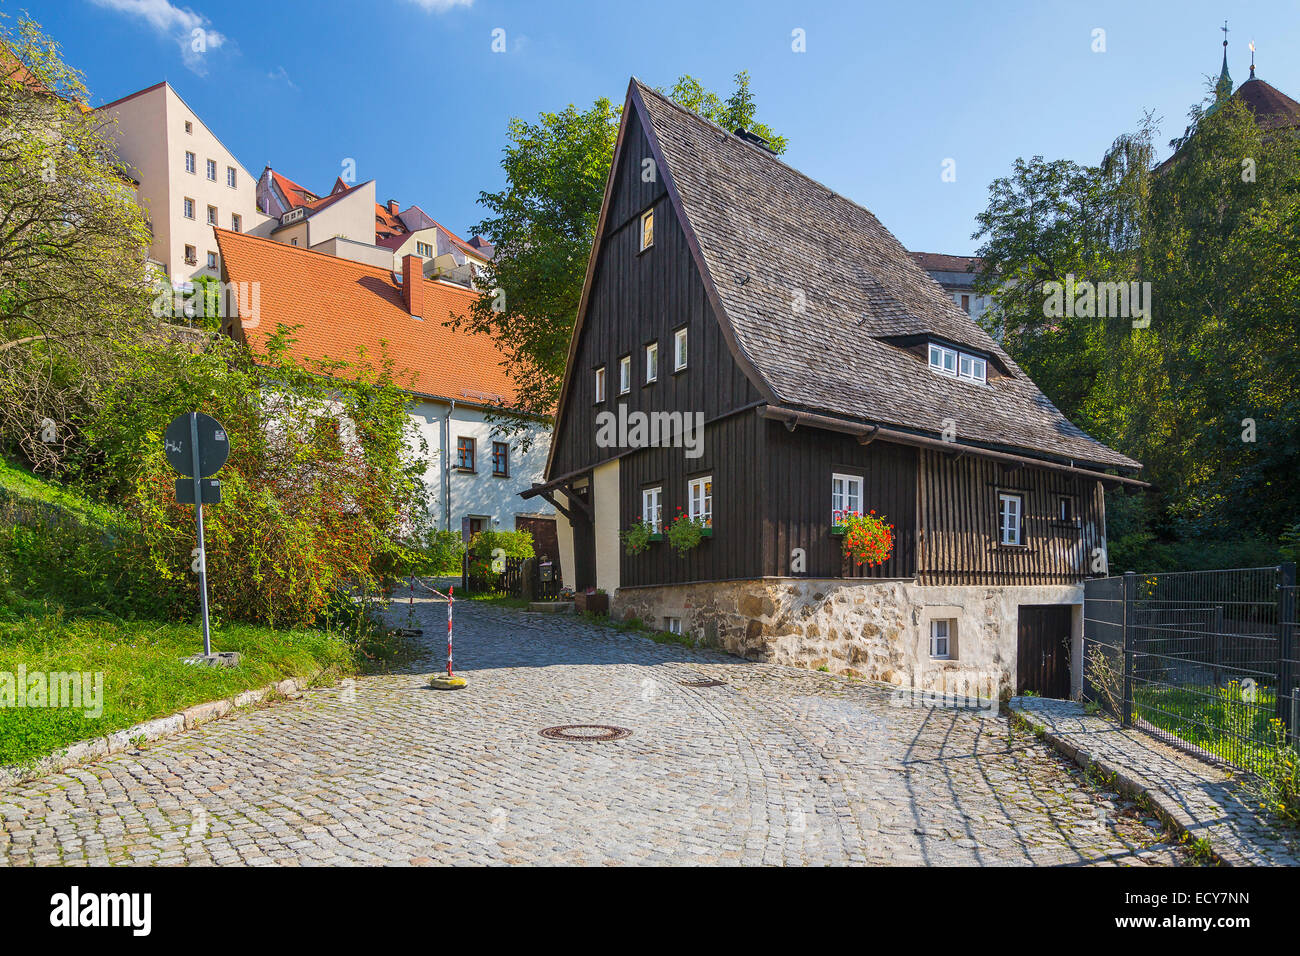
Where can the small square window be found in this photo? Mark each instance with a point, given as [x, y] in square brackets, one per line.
[232, 178]
[679, 350]
[189, 208]
[625, 375]
[652, 362]
[189, 128]
[1011, 519]
[501, 459]
[673, 625]
[212, 215]
[699, 495]
[191, 256]
[846, 497]
[465, 454]
[647, 229]
[600, 384]
[942, 634]
[190, 162]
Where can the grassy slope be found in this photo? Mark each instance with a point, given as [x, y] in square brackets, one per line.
[140, 661]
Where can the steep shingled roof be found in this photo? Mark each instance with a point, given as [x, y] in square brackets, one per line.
[341, 305]
[811, 284]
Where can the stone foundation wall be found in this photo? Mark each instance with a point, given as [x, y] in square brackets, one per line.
[879, 630]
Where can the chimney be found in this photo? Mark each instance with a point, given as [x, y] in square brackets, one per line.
[392, 207]
[413, 285]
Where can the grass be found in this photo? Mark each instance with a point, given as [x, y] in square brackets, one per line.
[142, 672]
[22, 487]
[1216, 719]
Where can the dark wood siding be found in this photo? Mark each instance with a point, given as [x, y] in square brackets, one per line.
[959, 521]
[635, 298]
[733, 447]
[797, 509]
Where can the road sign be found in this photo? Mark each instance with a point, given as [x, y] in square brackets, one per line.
[196, 445]
[209, 488]
[214, 446]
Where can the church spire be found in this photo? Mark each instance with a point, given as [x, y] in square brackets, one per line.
[1223, 88]
[1252, 59]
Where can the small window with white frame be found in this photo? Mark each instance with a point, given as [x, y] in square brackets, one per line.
[846, 497]
[190, 161]
[212, 215]
[236, 223]
[189, 208]
[673, 625]
[652, 362]
[679, 350]
[652, 507]
[949, 361]
[647, 229]
[972, 367]
[943, 632]
[1065, 509]
[699, 495]
[212, 170]
[600, 384]
[232, 178]
[625, 375]
[1011, 519]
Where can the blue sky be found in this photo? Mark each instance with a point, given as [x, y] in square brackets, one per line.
[882, 96]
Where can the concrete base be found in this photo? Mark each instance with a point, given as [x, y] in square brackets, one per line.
[551, 607]
[443, 682]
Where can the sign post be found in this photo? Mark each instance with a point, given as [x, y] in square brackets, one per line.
[196, 446]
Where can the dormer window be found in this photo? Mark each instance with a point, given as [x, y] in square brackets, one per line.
[951, 362]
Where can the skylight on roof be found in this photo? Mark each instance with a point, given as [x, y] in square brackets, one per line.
[955, 364]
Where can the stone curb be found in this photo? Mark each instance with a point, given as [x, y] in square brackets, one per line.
[1165, 807]
[84, 751]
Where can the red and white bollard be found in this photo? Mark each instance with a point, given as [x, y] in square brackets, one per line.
[450, 681]
[451, 597]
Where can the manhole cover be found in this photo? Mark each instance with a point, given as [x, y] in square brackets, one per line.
[586, 732]
[703, 682]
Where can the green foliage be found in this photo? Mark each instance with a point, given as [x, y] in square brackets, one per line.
[542, 226]
[440, 553]
[487, 549]
[685, 532]
[637, 538]
[1277, 784]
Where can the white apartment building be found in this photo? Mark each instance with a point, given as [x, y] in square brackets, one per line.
[189, 181]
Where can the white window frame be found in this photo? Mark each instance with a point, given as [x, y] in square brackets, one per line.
[945, 360]
[600, 384]
[941, 643]
[191, 162]
[680, 356]
[212, 215]
[212, 260]
[1063, 502]
[652, 507]
[1009, 534]
[211, 169]
[699, 497]
[236, 223]
[232, 178]
[652, 363]
[625, 375]
[648, 215]
[673, 625]
[846, 496]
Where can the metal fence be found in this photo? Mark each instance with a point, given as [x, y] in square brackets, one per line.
[1203, 659]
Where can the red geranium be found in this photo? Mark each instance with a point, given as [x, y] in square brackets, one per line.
[868, 539]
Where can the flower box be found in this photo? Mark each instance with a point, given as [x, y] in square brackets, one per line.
[838, 530]
[706, 532]
[656, 537]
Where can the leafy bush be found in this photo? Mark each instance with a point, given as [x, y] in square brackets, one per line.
[483, 550]
[637, 538]
[1277, 786]
[440, 553]
[685, 532]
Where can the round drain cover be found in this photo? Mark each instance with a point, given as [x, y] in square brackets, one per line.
[703, 682]
[586, 732]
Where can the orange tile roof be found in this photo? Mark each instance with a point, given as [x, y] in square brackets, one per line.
[340, 305]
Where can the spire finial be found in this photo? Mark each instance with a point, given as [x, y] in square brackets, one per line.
[1252, 59]
[1224, 28]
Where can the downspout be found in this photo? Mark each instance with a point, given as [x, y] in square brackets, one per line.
[446, 466]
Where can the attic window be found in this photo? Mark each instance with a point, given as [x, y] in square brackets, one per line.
[950, 362]
[647, 229]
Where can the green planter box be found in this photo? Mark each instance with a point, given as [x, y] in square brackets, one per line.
[838, 530]
[706, 532]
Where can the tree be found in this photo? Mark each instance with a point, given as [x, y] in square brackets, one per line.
[543, 225]
[72, 248]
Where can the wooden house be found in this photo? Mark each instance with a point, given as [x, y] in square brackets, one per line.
[792, 361]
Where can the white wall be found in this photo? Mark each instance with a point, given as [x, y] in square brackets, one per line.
[605, 489]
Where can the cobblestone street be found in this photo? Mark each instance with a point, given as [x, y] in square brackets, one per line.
[778, 766]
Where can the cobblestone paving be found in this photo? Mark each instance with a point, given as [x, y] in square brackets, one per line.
[779, 766]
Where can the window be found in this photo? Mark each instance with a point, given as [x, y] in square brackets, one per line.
[673, 625]
[236, 224]
[189, 128]
[424, 249]
[652, 362]
[965, 304]
[647, 229]
[212, 260]
[231, 179]
[501, 459]
[1065, 509]
[625, 375]
[600, 384]
[465, 454]
[190, 162]
[941, 634]
[948, 361]
[700, 496]
[679, 350]
[212, 215]
[652, 510]
[1010, 519]
[191, 255]
[189, 208]
[293, 241]
[212, 170]
[846, 496]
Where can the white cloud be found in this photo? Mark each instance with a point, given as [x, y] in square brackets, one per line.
[192, 31]
[280, 73]
[441, 6]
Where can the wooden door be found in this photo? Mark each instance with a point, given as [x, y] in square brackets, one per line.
[1043, 650]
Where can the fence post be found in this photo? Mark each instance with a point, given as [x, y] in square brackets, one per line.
[528, 579]
[1216, 637]
[1285, 693]
[464, 572]
[1130, 594]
